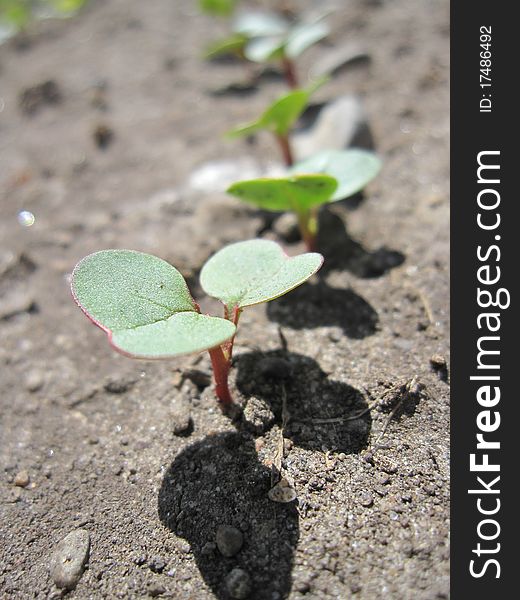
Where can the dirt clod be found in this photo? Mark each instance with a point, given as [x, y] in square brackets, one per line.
[238, 584]
[229, 540]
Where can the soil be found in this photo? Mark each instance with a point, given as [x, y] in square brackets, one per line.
[104, 119]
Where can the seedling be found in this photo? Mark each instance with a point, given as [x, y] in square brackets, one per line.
[325, 177]
[262, 37]
[280, 117]
[144, 304]
[16, 15]
[219, 8]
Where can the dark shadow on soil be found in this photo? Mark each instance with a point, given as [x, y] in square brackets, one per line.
[220, 481]
[319, 412]
[319, 305]
[343, 253]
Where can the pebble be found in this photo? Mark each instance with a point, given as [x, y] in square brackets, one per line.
[229, 540]
[69, 559]
[156, 589]
[238, 584]
[22, 479]
[366, 499]
[34, 381]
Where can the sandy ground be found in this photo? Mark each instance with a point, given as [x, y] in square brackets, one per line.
[90, 440]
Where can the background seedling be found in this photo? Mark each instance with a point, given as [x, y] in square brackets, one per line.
[263, 37]
[144, 304]
[279, 118]
[219, 8]
[15, 15]
[336, 175]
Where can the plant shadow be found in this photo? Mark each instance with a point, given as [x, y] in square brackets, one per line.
[343, 253]
[220, 481]
[316, 412]
[320, 305]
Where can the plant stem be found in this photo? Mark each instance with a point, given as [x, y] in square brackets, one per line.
[308, 224]
[289, 72]
[285, 146]
[221, 364]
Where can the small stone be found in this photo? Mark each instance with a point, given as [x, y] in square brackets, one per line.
[22, 479]
[439, 365]
[34, 381]
[229, 540]
[238, 584]
[366, 499]
[69, 559]
[156, 589]
[119, 385]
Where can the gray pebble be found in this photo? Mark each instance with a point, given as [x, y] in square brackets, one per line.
[238, 584]
[69, 559]
[229, 540]
[366, 499]
[34, 381]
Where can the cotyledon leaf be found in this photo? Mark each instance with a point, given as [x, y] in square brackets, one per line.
[248, 273]
[144, 305]
[297, 192]
[352, 168]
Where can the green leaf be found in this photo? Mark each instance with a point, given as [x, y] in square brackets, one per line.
[263, 49]
[260, 24]
[248, 273]
[303, 36]
[67, 7]
[15, 13]
[221, 8]
[297, 193]
[234, 44]
[144, 305]
[279, 117]
[353, 169]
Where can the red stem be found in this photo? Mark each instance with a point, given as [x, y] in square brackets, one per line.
[307, 230]
[221, 364]
[289, 72]
[285, 146]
